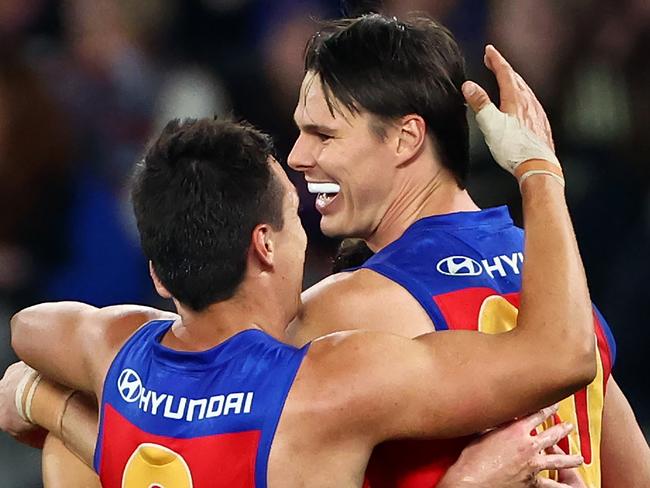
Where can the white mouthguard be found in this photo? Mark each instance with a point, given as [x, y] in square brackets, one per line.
[323, 187]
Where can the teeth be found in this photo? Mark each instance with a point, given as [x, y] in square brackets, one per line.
[323, 187]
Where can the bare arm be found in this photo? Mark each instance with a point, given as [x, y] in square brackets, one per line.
[70, 416]
[625, 455]
[63, 469]
[73, 343]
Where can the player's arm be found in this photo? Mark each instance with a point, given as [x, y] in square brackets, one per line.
[73, 343]
[625, 455]
[27, 402]
[63, 469]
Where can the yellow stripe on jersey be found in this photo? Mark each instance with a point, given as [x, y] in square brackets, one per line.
[496, 316]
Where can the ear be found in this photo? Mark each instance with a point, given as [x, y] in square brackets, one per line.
[262, 248]
[411, 137]
[160, 288]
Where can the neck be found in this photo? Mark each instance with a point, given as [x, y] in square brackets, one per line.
[199, 331]
[416, 198]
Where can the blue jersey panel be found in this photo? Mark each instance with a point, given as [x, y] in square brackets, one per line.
[447, 253]
[238, 386]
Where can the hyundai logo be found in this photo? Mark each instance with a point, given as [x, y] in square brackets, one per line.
[459, 266]
[129, 385]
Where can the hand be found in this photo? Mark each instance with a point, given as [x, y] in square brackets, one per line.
[10, 421]
[518, 132]
[567, 477]
[510, 457]
[516, 96]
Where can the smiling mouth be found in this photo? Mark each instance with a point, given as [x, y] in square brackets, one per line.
[326, 192]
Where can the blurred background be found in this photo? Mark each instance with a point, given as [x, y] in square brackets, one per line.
[85, 83]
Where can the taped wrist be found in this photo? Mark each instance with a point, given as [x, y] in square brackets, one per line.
[538, 167]
[513, 145]
[25, 392]
[47, 405]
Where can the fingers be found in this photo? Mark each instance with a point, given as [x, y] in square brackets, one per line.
[559, 461]
[552, 435]
[546, 483]
[504, 73]
[568, 476]
[476, 97]
[540, 417]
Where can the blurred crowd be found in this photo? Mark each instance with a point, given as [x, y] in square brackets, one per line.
[84, 83]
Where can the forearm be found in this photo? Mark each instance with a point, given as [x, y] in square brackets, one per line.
[537, 357]
[62, 469]
[555, 316]
[70, 416]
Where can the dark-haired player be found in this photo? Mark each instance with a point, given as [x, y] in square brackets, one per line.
[384, 143]
[213, 397]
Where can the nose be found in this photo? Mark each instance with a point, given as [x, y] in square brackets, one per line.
[301, 157]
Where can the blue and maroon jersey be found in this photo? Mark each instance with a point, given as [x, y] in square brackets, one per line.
[465, 270]
[192, 419]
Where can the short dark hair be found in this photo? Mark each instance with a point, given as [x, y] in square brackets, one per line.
[198, 193]
[392, 68]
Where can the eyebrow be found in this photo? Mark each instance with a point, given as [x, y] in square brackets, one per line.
[314, 128]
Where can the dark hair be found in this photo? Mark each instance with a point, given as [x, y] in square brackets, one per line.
[351, 253]
[392, 68]
[198, 193]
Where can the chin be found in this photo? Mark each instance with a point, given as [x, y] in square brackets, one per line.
[330, 228]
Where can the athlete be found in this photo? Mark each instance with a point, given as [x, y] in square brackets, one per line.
[340, 148]
[392, 303]
[384, 143]
[212, 397]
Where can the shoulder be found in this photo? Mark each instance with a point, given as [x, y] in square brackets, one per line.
[114, 324]
[348, 288]
[361, 299]
[111, 326]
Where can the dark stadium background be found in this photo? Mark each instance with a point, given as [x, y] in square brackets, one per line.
[83, 83]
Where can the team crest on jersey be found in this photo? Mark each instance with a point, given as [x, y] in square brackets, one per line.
[155, 466]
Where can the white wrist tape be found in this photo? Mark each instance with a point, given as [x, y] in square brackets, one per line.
[25, 411]
[511, 142]
[20, 391]
[528, 174]
[30, 398]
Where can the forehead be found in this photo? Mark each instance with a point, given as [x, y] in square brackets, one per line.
[287, 186]
[312, 105]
